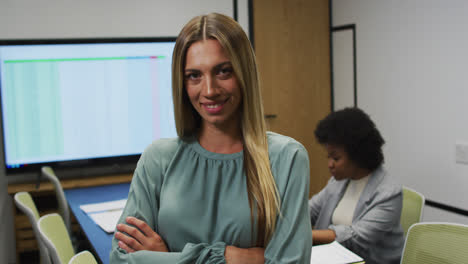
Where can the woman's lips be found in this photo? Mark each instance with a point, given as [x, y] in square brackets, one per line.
[214, 108]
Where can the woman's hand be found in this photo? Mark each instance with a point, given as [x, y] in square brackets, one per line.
[136, 240]
[235, 255]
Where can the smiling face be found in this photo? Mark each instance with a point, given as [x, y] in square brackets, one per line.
[341, 166]
[212, 85]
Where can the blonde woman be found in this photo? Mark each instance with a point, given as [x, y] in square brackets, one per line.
[225, 190]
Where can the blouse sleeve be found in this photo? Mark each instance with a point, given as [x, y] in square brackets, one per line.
[292, 239]
[316, 203]
[381, 217]
[143, 203]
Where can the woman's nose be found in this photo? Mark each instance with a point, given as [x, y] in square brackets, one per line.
[210, 88]
[330, 163]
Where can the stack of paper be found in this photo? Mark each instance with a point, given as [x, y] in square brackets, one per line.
[333, 253]
[106, 215]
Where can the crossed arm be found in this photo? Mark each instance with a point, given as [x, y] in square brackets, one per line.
[137, 235]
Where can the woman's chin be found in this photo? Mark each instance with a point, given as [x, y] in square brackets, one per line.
[338, 177]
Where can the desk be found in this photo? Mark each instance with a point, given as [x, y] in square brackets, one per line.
[99, 239]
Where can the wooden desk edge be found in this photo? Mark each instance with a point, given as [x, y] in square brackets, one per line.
[71, 183]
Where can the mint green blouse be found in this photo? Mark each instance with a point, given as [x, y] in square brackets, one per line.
[197, 202]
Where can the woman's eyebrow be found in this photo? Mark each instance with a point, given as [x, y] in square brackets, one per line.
[191, 70]
[218, 66]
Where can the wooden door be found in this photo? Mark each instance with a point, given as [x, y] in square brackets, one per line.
[292, 43]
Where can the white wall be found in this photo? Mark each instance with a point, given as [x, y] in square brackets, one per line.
[343, 69]
[106, 18]
[412, 60]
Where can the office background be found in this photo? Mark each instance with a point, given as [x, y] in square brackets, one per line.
[409, 71]
[411, 61]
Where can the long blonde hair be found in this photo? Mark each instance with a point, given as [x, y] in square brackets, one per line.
[261, 187]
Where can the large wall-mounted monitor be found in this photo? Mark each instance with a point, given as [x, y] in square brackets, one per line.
[76, 104]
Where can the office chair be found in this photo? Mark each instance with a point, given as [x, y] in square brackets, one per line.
[61, 200]
[84, 257]
[25, 203]
[413, 205]
[436, 243]
[55, 236]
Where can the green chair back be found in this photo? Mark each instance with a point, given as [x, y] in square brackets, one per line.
[413, 204]
[84, 257]
[64, 210]
[436, 243]
[25, 203]
[56, 238]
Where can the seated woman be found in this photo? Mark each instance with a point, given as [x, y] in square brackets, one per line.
[225, 190]
[359, 207]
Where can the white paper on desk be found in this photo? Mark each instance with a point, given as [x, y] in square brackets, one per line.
[105, 206]
[333, 253]
[107, 220]
[106, 214]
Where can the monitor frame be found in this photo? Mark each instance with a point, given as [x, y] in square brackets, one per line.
[80, 167]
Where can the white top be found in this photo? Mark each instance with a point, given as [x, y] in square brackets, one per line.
[344, 211]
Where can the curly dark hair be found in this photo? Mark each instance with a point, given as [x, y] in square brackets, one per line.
[352, 129]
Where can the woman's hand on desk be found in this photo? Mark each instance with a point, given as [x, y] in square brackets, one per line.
[136, 240]
[235, 255]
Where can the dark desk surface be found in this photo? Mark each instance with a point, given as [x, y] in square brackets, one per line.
[99, 239]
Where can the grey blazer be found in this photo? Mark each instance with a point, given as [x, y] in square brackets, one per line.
[375, 233]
